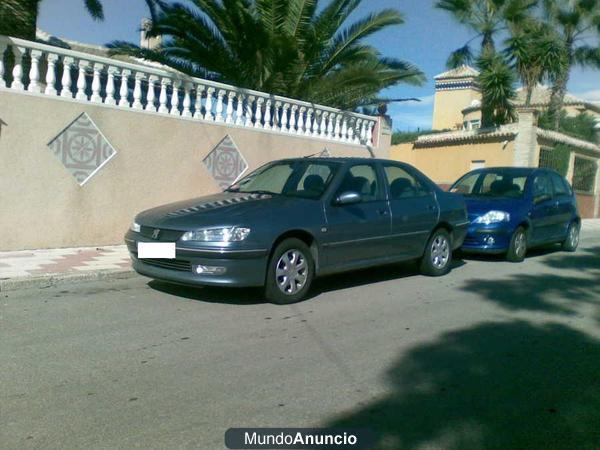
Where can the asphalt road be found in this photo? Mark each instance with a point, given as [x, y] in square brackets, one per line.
[495, 355]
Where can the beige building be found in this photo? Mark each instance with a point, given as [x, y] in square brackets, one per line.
[460, 144]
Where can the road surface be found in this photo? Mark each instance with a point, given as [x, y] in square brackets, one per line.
[494, 355]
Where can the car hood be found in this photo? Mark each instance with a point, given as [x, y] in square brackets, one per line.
[227, 208]
[477, 206]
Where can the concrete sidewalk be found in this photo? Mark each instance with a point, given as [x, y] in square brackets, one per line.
[48, 267]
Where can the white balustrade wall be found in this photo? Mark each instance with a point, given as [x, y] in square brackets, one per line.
[109, 81]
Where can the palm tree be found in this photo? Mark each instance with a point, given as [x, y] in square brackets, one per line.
[577, 22]
[294, 48]
[535, 54]
[486, 18]
[18, 18]
[497, 81]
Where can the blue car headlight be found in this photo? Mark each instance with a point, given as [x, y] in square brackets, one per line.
[493, 217]
[224, 234]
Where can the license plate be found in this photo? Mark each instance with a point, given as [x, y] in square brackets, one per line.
[165, 250]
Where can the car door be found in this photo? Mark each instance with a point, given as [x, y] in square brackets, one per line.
[357, 232]
[414, 211]
[563, 202]
[543, 214]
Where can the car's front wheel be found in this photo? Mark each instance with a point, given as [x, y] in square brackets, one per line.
[518, 246]
[437, 258]
[572, 241]
[290, 272]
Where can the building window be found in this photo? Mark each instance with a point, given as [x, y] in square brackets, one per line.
[477, 164]
[475, 124]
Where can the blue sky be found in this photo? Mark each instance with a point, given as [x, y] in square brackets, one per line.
[426, 39]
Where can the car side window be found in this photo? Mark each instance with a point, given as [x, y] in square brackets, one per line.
[361, 178]
[402, 184]
[542, 187]
[560, 185]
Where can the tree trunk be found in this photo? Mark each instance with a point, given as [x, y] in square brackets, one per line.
[557, 99]
[18, 18]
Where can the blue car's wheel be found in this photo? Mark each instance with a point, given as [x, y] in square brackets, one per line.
[572, 241]
[518, 246]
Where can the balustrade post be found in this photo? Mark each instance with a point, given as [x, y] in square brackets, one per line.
[351, 132]
[110, 86]
[151, 94]
[248, 118]
[345, 129]
[137, 90]
[309, 114]
[187, 100]
[162, 98]
[17, 72]
[323, 126]
[51, 59]
[124, 88]
[175, 98]
[363, 131]
[301, 119]
[81, 81]
[229, 110]
[277, 116]
[258, 113]
[34, 71]
[219, 107]
[239, 111]
[338, 128]
[209, 102]
[330, 126]
[284, 117]
[96, 97]
[198, 104]
[3, 47]
[293, 110]
[370, 127]
[66, 81]
[267, 117]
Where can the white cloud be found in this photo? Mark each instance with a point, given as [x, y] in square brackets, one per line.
[590, 96]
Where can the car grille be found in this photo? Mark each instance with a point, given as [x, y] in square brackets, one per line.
[470, 241]
[172, 264]
[163, 236]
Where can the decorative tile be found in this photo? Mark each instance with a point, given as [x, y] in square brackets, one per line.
[325, 153]
[82, 149]
[225, 162]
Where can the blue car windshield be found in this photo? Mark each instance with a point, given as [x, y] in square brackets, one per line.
[490, 183]
[304, 178]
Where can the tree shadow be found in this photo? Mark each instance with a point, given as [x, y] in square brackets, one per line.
[493, 386]
[253, 296]
[552, 292]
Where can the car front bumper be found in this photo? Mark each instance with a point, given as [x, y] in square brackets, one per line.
[493, 238]
[240, 268]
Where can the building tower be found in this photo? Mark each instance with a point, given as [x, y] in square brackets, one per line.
[455, 90]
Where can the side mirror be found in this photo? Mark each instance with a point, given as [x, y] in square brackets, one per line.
[348, 198]
[541, 198]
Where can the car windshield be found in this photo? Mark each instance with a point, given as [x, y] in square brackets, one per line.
[307, 179]
[491, 183]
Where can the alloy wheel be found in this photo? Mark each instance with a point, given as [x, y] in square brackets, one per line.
[291, 271]
[440, 252]
[573, 236]
[520, 244]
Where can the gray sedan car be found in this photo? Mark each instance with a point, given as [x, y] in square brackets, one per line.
[292, 220]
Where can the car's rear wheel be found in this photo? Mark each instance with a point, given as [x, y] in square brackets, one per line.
[437, 259]
[290, 272]
[518, 246]
[572, 241]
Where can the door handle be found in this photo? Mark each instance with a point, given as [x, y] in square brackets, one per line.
[382, 212]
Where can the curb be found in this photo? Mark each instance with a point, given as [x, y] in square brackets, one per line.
[46, 281]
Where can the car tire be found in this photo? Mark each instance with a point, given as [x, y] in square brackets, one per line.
[437, 259]
[517, 248]
[290, 272]
[572, 241]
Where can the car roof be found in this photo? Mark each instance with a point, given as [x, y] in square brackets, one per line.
[341, 159]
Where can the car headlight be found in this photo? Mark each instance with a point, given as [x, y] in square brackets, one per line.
[226, 234]
[135, 227]
[493, 217]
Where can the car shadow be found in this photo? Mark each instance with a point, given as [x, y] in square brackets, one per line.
[496, 385]
[254, 296]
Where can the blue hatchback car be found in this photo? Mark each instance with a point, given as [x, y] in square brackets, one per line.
[512, 209]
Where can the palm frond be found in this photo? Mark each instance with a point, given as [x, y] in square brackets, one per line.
[95, 9]
[460, 57]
